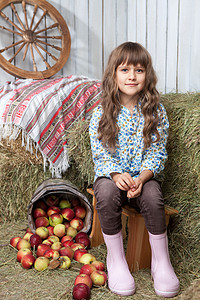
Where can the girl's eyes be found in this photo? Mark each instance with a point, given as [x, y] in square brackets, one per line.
[125, 70]
[139, 70]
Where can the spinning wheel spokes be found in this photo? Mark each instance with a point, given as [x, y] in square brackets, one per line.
[35, 38]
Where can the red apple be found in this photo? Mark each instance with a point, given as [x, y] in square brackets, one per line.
[75, 202]
[67, 224]
[39, 212]
[65, 262]
[64, 203]
[81, 234]
[35, 240]
[87, 258]
[41, 263]
[41, 249]
[40, 204]
[76, 246]
[68, 243]
[51, 253]
[23, 252]
[50, 228]
[41, 221]
[22, 244]
[27, 236]
[53, 210]
[87, 269]
[27, 261]
[66, 251]
[99, 265]
[79, 253]
[77, 223]
[83, 278]
[56, 246]
[59, 230]
[67, 213]
[66, 238]
[52, 200]
[55, 219]
[14, 241]
[71, 231]
[98, 277]
[43, 232]
[81, 291]
[85, 241]
[80, 212]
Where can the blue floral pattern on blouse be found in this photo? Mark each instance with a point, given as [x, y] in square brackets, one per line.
[129, 156]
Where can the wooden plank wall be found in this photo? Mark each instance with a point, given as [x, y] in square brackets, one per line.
[169, 29]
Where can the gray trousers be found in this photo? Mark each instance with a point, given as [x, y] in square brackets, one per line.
[110, 200]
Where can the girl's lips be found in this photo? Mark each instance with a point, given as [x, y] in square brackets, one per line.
[131, 84]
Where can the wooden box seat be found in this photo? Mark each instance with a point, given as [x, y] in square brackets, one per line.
[138, 252]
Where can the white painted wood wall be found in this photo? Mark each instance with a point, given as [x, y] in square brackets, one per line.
[169, 29]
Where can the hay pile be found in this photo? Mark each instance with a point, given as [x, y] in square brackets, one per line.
[17, 283]
[21, 173]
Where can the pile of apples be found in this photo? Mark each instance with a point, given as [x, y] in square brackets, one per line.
[58, 240]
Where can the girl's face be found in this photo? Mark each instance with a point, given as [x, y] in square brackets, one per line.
[130, 80]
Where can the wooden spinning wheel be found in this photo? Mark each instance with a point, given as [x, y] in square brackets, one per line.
[38, 37]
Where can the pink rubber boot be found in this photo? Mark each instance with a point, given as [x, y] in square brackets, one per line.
[166, 284]
[120, 280]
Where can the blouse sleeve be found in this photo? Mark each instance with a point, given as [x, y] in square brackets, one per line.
[105, 162]
[155, 156]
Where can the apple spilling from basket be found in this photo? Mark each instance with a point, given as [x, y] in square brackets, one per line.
[58, 240]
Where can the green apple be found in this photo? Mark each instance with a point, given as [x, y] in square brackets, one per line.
[53, 238]
[71, 231]
[98, 277]
[64, 203]
[65, 262]
[56, 246]
[43, 232]
[55, 219]
[59, 230]
[87, 258]
[41, 263]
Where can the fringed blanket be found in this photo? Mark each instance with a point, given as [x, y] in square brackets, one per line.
[43, 110]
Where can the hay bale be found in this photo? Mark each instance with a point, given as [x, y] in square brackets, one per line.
[20, 174]
[182, 182]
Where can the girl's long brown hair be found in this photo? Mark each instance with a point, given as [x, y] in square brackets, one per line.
[131, 54]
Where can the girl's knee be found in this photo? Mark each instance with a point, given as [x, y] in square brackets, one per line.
[152, 197]
[104, 188]
[107, 194]
[152, 190]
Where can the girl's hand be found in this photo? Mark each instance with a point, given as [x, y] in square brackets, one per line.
[123, 181]
[139, 181]
[133, 193]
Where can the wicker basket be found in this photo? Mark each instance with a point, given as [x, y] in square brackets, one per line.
[63, 189]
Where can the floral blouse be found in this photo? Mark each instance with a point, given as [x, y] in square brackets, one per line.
[129, 156]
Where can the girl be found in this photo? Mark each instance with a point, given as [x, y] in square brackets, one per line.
[128, 133]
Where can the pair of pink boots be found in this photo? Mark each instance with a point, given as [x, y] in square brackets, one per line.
[120, 280]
